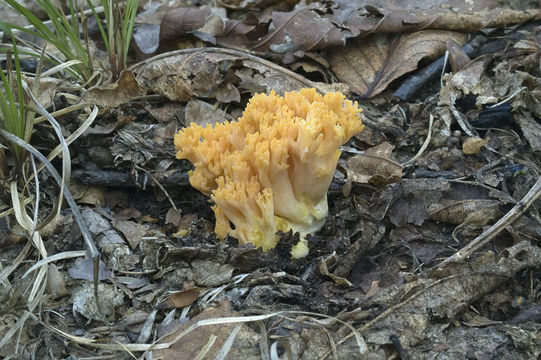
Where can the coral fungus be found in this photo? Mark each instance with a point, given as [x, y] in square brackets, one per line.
[271, 169]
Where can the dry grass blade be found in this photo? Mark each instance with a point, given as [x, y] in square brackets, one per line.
[77, 133]
[425, 144]
[332, 344]
[205, 349]
[16, 262]
[56, 257]
[222, 354]
[39, 283]
[211, 295]
[274, 351]
[66, 157]
[18, 325]
[67, 194]
[9, 211]
[60, 67]
[264, 343]
[361, 344]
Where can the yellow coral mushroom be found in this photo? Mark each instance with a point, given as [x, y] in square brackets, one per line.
[271, 169]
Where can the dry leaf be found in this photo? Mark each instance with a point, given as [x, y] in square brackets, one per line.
[92, 195]
[173, 217]
[203, 113]
[83, 268]
[374, 169]
[216, 73]
[530, 128]
[369, 65]
[303, 29]
[318, 25]
[456, 212]
[211, 273]
[84, 301]
[191, 344]
[473, 145]
[115, 94]
[146, 38]
[181, 299]
[464, 81]
[55, 282]
[132, 231]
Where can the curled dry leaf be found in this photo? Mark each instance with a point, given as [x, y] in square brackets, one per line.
[323, 268]
[473, 145]
[369, 65]
[181, 299]
[374, 167]
[215, 73]
[456, 212]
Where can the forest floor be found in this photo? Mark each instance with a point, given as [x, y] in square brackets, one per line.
[432, 245]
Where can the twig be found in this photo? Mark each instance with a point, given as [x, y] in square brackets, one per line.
[495, 229]
[417, 81]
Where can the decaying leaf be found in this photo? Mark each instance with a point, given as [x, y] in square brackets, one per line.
[438, 298]
[374, 166]
[215, 73]
[464, 81]
[133, 231]
[530, 128]
[173, 217]
[114, 94]
[55, 282]
[83, 269]
[203, 113]
[369, 65]
[300, 30]
[323, 268]
[211, 273]
[84, 301]
[456, 212]
[197, 339]
[248, 4]
[320, 25]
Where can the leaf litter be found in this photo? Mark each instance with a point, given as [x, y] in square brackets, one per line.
[431, 246]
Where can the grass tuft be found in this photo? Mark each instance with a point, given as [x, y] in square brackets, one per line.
[13, 112]
[68, 33]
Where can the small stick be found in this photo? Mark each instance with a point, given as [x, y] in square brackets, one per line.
[495, 229]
